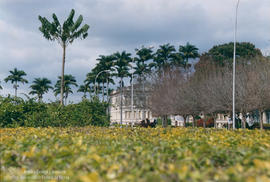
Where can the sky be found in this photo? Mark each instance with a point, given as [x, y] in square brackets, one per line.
[118, 25]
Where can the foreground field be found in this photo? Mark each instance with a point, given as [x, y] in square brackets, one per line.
[126, 154]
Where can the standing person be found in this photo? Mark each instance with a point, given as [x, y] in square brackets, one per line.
[229, 122]
[147, 122]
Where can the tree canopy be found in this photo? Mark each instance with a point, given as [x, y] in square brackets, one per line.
[65, 33]
[220, 53]
[15, 77]
[40, 86]
[69, 80]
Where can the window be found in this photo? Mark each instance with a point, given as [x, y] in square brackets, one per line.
[125, 114]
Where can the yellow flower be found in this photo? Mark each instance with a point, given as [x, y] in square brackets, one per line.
[91, 177]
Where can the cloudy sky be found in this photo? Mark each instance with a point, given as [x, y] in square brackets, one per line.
[117, 25]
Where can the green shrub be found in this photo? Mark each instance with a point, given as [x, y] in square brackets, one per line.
[159, 121]
[15, 112]
[11, 112]
[257, 126]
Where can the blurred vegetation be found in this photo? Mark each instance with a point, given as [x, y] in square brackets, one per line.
[16, 112]
[84, 154]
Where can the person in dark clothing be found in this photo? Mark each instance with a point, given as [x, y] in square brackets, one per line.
[147, 122]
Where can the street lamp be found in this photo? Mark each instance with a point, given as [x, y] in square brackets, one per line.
[132, 98]
[97, 77]
[234, 55]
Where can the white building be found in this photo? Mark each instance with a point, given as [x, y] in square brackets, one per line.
[140, 110]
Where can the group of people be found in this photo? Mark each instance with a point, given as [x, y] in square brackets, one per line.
[146, 123]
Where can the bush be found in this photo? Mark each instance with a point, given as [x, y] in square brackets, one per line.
[257, 126]
[15, 112]
[189, 124]
[159, 121]
[11, 112]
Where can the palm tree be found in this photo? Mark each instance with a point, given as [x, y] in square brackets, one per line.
[105, 64]
[96, 74]
[84, 89]
[143, 55]
[69, 80]
[122, 66]
[188, 51]
[178, 60]
[142, 68]
[90, 81]
[40, 86]
[64, 34]
[15, 77]
[163, 57]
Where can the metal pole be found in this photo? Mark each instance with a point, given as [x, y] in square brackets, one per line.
[107, 90]
[132, 112]
[96, 79]
[234, 56]
[121, 103]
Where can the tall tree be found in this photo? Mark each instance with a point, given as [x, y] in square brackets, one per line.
[65, 34]
[144, 55]
[261, 76]
[90, 81]
[142, 68]
[1, 86]
[40, 86]
[177, 60]
[163, 57]
[84, 89]
[188, 51]
[224, 52]
[97, 80]
[122, 66]
[69, 81]
[15, 77]
[105, 64]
